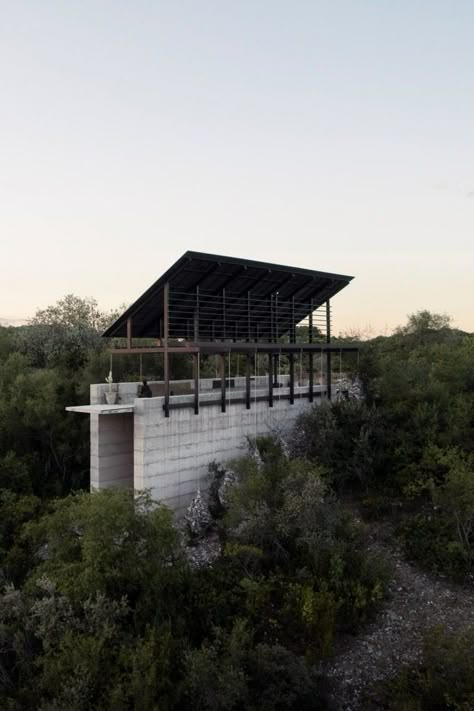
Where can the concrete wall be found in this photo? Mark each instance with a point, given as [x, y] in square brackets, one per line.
[171, 455]
[111, 450]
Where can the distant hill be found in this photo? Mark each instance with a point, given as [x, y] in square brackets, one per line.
[12, 321]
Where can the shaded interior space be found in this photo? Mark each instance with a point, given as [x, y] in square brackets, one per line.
[112, 449]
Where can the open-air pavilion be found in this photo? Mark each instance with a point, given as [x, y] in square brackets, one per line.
[210, 304]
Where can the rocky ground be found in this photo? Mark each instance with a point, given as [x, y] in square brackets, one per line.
[417, 601]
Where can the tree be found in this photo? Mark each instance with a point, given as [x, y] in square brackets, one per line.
[101, 621]
[41, 449]
[65, 333]
[73, 312]
[423, 321]
[110, 542]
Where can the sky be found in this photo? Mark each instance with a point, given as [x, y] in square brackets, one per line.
[333, 135]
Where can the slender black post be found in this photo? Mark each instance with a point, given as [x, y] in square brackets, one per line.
[223, 316]
[275, 370]
[310, 355]
[291, 358]
[271, 318]
[196, 382]
[293, 324]
[248, 316]
[196, 316]
[247, 381]
[270, 380]
[222, 374]
[328, 353]
[166, 365]
[276, 317]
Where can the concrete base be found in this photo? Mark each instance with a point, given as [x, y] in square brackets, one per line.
[172, 455]
[134, 445]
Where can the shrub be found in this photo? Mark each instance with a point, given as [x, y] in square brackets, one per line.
[345, 437]
[229, 673]
[428, 539]
[443, 681]
[309, 546]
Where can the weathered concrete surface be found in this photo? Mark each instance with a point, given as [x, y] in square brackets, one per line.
[111, 450]
[171, 455]
[134, 445]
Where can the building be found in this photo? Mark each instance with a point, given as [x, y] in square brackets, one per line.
[275, 319]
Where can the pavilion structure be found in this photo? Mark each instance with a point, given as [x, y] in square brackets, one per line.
[210, 304]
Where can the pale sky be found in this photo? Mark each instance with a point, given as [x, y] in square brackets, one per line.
[334, 135]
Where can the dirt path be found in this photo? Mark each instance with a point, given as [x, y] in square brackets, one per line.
[417, 601]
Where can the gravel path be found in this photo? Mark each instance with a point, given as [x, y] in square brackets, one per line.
[417, 601]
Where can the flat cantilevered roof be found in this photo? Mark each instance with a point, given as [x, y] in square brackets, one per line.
[213, 275]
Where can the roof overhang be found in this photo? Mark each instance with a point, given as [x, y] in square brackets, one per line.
[213, 273]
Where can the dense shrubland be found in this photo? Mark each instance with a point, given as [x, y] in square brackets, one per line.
[409, 447]
[109, 614]
[100, 608]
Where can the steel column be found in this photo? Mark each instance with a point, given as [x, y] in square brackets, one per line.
[247, 381]
[293, 324]
[196, 382]
[272, 335]
[166, 365]
[248, 316]
[328, 353]
[223, 315]
[270, 380]
[196, 317]
[222, 375]
[275, 369]
[276, 317]
[310, 355]
[291, 358]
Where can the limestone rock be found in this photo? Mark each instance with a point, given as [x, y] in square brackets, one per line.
[254, 452]
[198, 518]
[355, 390]
[226, 484]
[204, 552]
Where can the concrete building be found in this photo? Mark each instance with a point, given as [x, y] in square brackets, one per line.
[208, 305]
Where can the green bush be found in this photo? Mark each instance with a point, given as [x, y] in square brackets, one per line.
[229, 672]
[346, 438]
[311, 552]
[444, 681]
[428, 539]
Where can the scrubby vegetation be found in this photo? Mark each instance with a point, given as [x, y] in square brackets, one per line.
[443, 680]
[109, 614]
[100, 607]
[409, 448]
